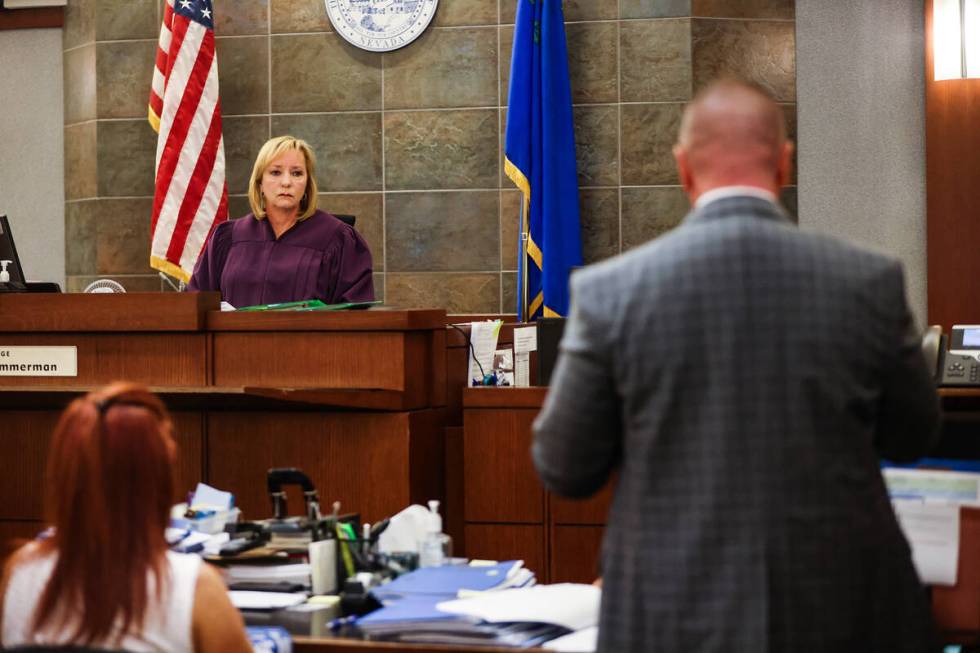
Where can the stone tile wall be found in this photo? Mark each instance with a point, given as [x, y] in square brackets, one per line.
[410, 141]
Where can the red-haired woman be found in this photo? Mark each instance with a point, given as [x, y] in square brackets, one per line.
[105, 578]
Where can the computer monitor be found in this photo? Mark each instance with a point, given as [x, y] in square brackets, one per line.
[8, 252]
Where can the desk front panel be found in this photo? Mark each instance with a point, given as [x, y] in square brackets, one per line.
[24, 441]
[161, 359]
[500, 484]
[364, 460]
[575, 553]
[592, 511]
[313, 359]
[509, 542]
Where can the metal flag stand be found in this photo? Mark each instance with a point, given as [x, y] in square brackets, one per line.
[524, 238]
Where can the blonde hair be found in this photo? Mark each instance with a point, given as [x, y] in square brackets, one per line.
[272, 149]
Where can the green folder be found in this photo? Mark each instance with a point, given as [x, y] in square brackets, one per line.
[309, 305]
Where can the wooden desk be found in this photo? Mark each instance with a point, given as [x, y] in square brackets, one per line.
[354, 398]
[507, 512]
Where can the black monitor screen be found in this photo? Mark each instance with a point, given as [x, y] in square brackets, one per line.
[8, 252]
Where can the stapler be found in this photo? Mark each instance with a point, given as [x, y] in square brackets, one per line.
[311, 525]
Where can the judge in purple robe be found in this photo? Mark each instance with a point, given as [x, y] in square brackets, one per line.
[286, 249]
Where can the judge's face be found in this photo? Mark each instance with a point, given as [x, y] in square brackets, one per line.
[284, 181]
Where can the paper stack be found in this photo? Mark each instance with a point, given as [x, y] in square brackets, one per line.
[423, 607]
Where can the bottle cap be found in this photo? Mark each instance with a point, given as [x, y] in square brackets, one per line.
[435, 519]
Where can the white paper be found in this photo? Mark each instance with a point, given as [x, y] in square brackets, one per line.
[244, 600]
[526, 339]
[571, 605]
[933, 531]
[581, 641]
[206, 496]
[483, 338]
[522, 369]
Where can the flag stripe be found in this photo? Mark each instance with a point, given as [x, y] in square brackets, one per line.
[199, 181]
[214, 202]
[175, 122]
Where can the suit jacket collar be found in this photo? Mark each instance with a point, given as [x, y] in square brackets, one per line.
[743, 206]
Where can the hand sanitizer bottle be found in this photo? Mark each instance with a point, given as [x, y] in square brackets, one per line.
[4, 275]
[436, 547]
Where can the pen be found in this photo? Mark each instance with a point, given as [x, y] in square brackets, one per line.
[340, 622]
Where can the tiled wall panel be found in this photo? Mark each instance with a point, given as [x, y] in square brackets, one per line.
[411, 141]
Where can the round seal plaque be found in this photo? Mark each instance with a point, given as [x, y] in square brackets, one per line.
[380, 25]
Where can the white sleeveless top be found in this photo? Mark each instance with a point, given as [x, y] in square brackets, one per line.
[166, 627]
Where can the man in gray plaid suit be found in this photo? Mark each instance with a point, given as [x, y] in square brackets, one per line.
[743, 377]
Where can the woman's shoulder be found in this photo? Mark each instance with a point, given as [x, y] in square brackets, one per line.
[328, 230]
[30, 564]
[246, 227]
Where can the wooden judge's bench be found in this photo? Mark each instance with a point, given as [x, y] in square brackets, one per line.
[354, 398]
[371, 404]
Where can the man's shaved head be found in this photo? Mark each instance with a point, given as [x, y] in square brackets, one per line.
[732, 133]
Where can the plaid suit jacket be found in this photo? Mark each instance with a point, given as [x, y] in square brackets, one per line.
[744, 377]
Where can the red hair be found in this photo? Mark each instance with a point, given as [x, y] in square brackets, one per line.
[109, 487]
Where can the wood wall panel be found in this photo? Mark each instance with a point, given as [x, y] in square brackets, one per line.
[500, 484]
[592, 511]
[189, 470]
[509, 542]
[952, 194]
[161, 359]
[575, 553]
[427, 457]
[27, 434]
[453, 514]
[24, 437]
[310, 359]
[360, 459]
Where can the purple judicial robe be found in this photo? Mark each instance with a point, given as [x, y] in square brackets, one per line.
[318, 258]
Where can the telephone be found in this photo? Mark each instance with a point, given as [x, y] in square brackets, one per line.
[960, 364]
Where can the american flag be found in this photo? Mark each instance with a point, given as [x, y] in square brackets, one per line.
[190, 197]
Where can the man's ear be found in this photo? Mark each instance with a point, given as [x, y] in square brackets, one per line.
[784, 171]
[683, 169]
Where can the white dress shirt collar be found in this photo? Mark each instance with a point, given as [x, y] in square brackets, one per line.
[723, 192]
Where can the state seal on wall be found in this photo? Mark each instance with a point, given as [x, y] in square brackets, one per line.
[380, 25]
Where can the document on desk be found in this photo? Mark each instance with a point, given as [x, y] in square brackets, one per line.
[483, 343]
[570, 605]
[247, 600]
[933, 531]
[525, 341]
[932, 485]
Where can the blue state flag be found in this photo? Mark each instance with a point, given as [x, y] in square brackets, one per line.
[540, 157]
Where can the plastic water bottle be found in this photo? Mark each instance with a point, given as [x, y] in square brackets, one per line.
[436, 547]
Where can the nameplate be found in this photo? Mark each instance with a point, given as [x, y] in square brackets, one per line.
[38, 361]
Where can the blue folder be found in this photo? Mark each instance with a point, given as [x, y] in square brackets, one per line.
[447, 580]
[409, 610]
